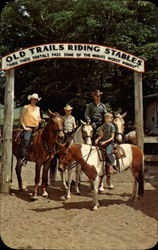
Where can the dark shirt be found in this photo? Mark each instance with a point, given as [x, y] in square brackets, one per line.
[107, 129]
[95, 112]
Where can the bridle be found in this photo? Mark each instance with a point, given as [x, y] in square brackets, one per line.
[73, 163]
[117, 133]
[84, 135]
[54, 146]
[57, 131]
[49, 149]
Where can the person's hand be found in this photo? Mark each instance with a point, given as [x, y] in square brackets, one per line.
[103, 143]
[96, 142]
[28, 129]
[89, 121]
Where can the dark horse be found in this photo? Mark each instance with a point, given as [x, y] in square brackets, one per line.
[42, 150]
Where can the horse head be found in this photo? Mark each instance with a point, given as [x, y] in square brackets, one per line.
[87, 132]
[119, 125]
[56, 125]
[65, 155]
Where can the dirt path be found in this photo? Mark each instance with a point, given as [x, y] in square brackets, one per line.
[56, 223]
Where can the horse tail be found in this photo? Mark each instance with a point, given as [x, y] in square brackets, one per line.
[141, 181]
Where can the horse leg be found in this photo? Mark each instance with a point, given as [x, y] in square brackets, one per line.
[18, 173]
[108, 179]
[95, 186]
[108, 182]
[101, 185]
[68, 196]
[45, 179]
[63, 178]
[78, 172]
[37, 180]
[53, 170]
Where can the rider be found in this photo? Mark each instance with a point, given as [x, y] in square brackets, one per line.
[29, 120]
[69, 121]
[95, 111]
[106, 140]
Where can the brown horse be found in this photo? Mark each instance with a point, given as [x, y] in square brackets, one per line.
[93, 166]
[42, 150]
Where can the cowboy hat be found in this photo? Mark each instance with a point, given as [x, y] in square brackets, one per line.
[108, 115]
[34, 96]
[96, 92]
[68, 107]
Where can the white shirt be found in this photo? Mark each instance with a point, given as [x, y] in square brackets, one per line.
[69, 123]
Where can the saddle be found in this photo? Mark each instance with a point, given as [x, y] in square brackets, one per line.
[118, 151]
[18, 135]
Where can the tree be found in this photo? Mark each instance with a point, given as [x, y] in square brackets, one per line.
[131, 26]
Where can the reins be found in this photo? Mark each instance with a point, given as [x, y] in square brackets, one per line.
[76, 162]
[48, 149]
[85, 136]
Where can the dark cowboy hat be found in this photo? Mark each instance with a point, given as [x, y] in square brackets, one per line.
[96, 92]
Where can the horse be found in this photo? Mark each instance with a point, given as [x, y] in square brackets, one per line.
[42, 150]
[119, 126]
[91, 164]
[130, 137]
[83, 135]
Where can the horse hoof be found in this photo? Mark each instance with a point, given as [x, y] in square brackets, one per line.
[68, 197]
[110, 186]
[131, 198]
[34, 198]
[23, 189]
[45, 194]
[101, 191]
[95, 207]
[77, 193]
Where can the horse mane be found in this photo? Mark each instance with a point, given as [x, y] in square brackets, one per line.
[78, 136]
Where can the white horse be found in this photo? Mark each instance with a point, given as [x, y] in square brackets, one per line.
[83, 135]
[131, 137]
[91, 164]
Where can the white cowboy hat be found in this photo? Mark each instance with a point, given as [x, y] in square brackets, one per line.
[96, 92]
[68, 107]
[34, 96]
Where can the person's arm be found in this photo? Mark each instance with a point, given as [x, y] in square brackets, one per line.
[100, 135]
[87, 114]
[104, 109]
[109, 140]
[74, 124]
[40, 119]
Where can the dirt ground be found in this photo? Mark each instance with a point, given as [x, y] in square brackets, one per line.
[57, 223]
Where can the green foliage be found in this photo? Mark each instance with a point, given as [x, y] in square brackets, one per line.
[130, 26]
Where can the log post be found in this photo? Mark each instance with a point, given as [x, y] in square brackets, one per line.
[7, 133]
[139, 122]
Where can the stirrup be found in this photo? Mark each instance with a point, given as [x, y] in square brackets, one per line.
[23, 161]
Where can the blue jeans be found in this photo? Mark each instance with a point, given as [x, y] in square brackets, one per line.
[108, 152]
[25, 142]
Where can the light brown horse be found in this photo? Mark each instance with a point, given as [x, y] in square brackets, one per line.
[42, 150]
